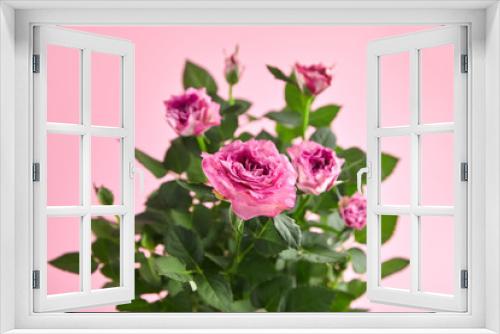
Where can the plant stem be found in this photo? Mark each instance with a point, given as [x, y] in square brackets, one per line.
[201, 143]
[230, 95]
[337, 192]
[305, 116]
[239, 235]
[304, 200]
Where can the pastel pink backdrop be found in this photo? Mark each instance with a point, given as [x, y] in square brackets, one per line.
[160, 55]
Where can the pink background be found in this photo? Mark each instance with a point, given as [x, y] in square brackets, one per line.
[160, 55]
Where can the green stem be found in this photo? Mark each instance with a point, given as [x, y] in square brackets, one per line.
[299, 213]
[337, 192]
[201, 143]
[230, 95]
[305, 116]
[239, 236]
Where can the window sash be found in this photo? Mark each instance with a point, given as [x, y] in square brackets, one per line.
[87, 297]
[412, 43]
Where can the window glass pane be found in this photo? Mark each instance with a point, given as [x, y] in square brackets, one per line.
[395, 251]
[63, 169]
[394, 89]
[436, 84]
[63, 84]
[107, 166]
[106, 89]
[63, 245]
[106, 251]
[395, 189]
[437, 169]
[436, 263]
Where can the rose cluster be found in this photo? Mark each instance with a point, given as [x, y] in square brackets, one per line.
[254, 176]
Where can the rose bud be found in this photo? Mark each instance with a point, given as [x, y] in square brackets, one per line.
[192, 113]
[253, 176]
[353, 211]
[318, 167]
[313, 78]
[233, 68]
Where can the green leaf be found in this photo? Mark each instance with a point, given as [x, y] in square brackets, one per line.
[342, 301]
[172, 268]
[278, 74]
[242, 306]
[180, 218]
[267, 136]
[319, 255]
[195, 173]
[256, 268]
[215, 290]
[139, 305]
[148, 271]
[325, 137]
[393, 265]
[358, 258]
[177, 157]
[269, 295]
[324, 116]
[294, 98]
[169, 195]
[104, 195]
[238, 108]
[269, 243]
[334, 221]
[106, 251]
[184, 244]
[154, 166]
[228, 125]
[356, 287]
[288, 229]
[202, 192]
[103, 228]
[309, 299]
[286, 134]
[388, 163]
[285, 117]
[70, 262]
[388, 227]
[196, 76]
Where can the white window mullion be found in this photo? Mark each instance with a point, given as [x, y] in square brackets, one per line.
[415, 171]
[86, 228]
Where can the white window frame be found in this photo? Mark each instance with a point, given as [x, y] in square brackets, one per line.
[86, 44]
[412, 44]
[16, 20]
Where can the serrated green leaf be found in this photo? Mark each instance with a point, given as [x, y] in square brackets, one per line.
[323, 116]
[325, 137]
[309, 299]
[70, 262]
[285, 117]
[177, 157]
[269, 295]
[169, 195]
[358, 258]
[393, 265]
[184, 244]
[278, 74]
[295, 99]
[215, 290]
[151, 164]
[172, 268]
[288, 229]
[196, 76]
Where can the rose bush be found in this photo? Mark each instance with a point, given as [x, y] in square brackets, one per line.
[244, 222]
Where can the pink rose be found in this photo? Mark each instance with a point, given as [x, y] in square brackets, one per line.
[253, 176]
[316, 78]
[233, 68]
[353, 211]
[318, 167]
[192, 113]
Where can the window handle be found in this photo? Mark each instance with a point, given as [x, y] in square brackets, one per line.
[364, 170]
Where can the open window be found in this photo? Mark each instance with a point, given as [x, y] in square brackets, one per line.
[68, 147]
[421, 57]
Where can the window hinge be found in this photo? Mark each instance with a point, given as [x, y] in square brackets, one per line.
[36, 279]
[465, 64]
[36, 63]
[36, 172]
[464, 171]
[464, 279]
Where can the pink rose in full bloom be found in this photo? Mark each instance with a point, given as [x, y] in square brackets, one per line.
[253, 176]
[316, 78]
[318, 167]
[192, 113]
[353, 211]
[233, 68]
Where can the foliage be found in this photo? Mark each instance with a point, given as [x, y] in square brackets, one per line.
[191, 245]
